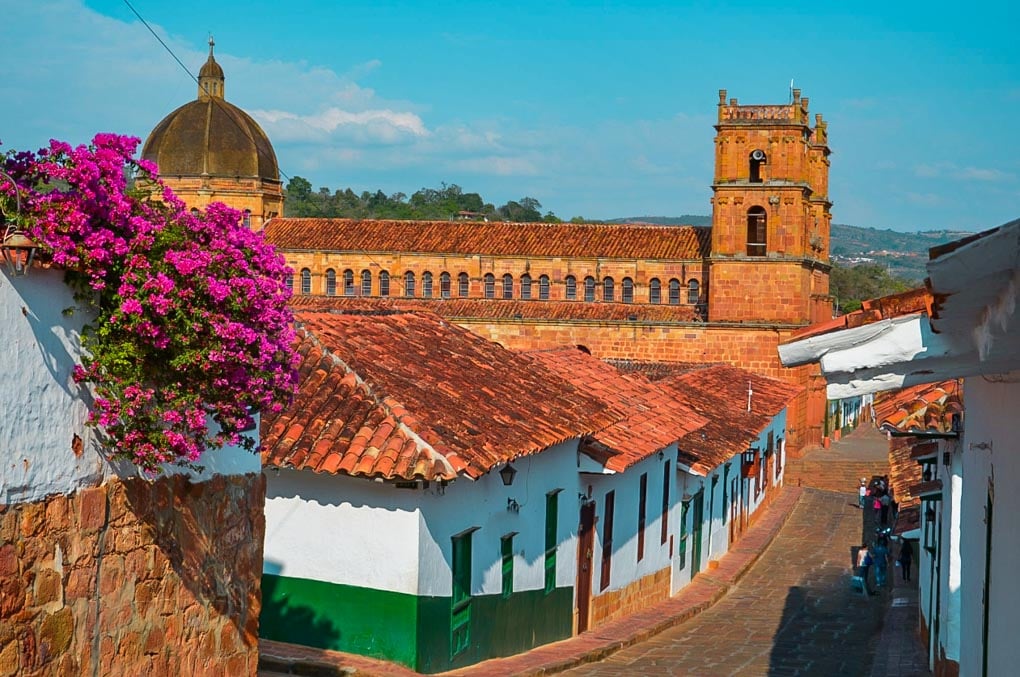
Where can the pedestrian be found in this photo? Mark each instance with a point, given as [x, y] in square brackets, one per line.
[906, 559]
[880, 557]
[884, 500]
[863, 566]
[862, 492]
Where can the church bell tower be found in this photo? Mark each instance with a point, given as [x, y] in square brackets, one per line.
[770, 215]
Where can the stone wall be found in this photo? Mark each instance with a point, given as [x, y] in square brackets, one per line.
[639, 595]
[134, 578]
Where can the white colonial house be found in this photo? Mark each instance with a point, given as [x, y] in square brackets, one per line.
[962, 325]
[437, 500]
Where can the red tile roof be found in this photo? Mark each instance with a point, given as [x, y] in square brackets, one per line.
[568, 240]
[508, 309]
[927, 407]
[884, 308]
[407, 395]
[719, 393]
[651, 417]
[904, 473]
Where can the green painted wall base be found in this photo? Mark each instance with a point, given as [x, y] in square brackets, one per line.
[414, 631]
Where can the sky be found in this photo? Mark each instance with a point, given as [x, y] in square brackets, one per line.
[596, 109]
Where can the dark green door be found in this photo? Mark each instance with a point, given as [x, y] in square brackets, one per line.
[697, 519]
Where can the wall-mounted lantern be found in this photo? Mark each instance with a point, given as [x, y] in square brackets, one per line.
[507, 474]
[17, 247]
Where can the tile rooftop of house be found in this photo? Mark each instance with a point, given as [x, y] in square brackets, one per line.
[922, 408]
[507, 309]
[401, 395]
[719, 393]
[651, 417]
[491, 238]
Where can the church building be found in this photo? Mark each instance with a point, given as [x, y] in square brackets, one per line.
[725, 294]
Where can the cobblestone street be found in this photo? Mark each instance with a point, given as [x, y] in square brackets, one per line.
[794, 612]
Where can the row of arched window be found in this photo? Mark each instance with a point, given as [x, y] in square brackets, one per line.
[527, 288]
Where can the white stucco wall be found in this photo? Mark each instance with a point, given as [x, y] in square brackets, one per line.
[990, 450]
[41, 409]
[625, 567]
[482, 505]
[339, 529]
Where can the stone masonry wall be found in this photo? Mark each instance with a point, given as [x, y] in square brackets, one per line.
[639, 595]
[134, 578]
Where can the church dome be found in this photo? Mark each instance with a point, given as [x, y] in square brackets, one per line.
[210, 136]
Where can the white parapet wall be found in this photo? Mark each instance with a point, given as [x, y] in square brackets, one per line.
[45, 446]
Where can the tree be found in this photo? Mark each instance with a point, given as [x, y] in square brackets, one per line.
[851, 285]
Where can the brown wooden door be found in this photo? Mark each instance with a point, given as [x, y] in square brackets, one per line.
[585, 545]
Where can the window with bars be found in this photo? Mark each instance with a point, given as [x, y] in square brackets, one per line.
[384, 283]
[348, 283]
[490, 286]
[508, 286]
[627, 290]
[589, 288]
[693, 292]
[543, 288]
[571, 288]
[426, 284]
[306, 281]
[366, 283]
[525, 286]
[409, 283]
[654, 290]
[674, 292]
[444, 285]
[608, 289]
[463, 285]
[330, 282]
[681, 559]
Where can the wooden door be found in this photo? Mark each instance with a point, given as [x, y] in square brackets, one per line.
[585, 546]
[698, 519]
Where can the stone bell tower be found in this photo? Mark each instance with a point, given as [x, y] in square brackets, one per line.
[770, 215]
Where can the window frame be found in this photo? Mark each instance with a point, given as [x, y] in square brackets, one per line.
[330, 282]
[655, 290]
[551, 541]
[384, 283]
[627, 290]
[543, 287]
[445, 285]
[570, 284]
[508, 286]
[426, 285]
[463, 285]
[674, 291]
[409, 284]
[608, 290]
[693, 291]
[589, 289]
[306, 281]
[606, 567]
[526, 286]
[348, 282]
[366, 282]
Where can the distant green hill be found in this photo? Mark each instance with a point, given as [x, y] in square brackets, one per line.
[902, 254]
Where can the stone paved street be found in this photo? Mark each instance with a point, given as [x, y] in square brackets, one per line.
[792, 614]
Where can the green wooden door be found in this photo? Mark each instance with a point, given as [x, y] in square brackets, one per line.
[698, 518]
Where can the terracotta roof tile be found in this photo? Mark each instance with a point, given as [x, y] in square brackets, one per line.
[372, 401]
[927, 407]
[650, 417]
[719, 393]
[567, 240]
[507, 309]
[884, 308]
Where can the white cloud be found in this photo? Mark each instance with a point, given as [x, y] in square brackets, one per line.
[950, 170]
[368, 126]
[978, 174]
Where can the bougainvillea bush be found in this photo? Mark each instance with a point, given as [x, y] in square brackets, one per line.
[191, 317]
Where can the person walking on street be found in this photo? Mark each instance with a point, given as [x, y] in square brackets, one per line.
[880, 555]
[906, 559]
[863, 566]
[885, 501]
[862, 492]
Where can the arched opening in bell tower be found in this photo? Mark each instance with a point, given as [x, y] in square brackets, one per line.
[756, 160]
[757, 222]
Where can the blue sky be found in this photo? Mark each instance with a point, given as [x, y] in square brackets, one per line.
[596, 109]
